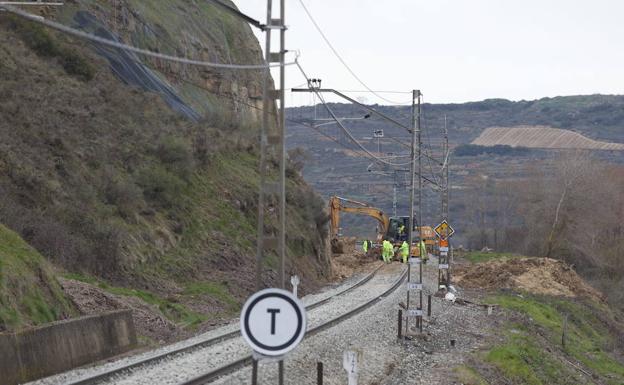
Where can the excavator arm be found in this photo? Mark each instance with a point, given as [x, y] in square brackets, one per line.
[338, 204]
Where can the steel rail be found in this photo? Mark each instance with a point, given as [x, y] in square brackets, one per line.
[242, 362]
[208, 342]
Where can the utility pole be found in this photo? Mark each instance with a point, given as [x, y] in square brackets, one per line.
[445, 174]
[415, 130]
[420, 190]
[272, 142]
[444, 268]
[394, 194]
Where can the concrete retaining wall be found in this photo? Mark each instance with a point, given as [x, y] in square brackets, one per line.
[63, 345]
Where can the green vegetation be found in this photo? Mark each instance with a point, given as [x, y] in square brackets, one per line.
[29, 293]
[469, 376]
[214, 290]
[175, 312]
[590, 340]
[42, 42]
[479, 256]
[524, 361]
[499, 149]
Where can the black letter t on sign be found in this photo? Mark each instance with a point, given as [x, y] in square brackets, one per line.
[273, 313]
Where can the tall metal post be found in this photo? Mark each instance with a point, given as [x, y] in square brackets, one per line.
[444, 271]
[263, 242]
[394, 194]
[409, 311]
[272, 143]
[420, 210]
[445, 174]
[282, 145]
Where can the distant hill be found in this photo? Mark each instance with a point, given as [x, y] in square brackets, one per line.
[541, 137]
[333, 170]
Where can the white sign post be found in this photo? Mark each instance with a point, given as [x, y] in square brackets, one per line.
[350, 364]
[273, 322]
[294, 281]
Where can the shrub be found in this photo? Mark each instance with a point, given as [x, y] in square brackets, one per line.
[177, 155]
[125, 195]
[161, 186]
[40, 41]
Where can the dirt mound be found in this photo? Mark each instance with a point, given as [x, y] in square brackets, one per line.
[147, 320]
[352, 260]
[536, 275]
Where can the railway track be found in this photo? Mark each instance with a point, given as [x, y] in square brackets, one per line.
[103, 376]
[240, 363]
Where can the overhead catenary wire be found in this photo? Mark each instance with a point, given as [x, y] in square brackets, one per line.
[344, 63]
[342, 127]
[111, 43]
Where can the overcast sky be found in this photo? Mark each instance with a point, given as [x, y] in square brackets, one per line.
[459, 50]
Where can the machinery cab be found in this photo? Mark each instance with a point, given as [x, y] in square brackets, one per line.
[394, 233]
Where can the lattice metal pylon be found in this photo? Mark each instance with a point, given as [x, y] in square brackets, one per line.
[272, 193]
[444, 250]
[272, 145]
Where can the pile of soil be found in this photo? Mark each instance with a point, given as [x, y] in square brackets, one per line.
[352, 261]
[148, 321]
[536, 275]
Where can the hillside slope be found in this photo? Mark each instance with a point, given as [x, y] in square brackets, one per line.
[29, 292]
[111, 182]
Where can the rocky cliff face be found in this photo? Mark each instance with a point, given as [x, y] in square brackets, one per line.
[142, 173]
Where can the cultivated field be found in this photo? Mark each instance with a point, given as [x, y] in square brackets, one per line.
[541, 137]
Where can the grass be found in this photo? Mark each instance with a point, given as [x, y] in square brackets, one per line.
[524, 361]
[214, 290]
[469, 376]
[43, 43]
[29, 293]
[478, 256]
[173, 311]
[588, 338]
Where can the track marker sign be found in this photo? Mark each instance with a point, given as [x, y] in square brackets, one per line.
[273, 322]
[444, 230]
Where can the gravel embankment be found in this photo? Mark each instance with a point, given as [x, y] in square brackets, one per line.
[176, 368]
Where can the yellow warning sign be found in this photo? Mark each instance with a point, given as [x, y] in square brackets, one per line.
[444, 230]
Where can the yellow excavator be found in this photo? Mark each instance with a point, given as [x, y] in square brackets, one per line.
[388, 228]
[338, 204]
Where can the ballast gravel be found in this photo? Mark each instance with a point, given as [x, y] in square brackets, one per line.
[176, 368]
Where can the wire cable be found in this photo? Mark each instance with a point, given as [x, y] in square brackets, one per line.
[112, 43]
[343, 128]
[320, 31]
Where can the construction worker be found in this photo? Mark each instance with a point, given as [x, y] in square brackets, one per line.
[401, 232]
[422, 248]
[365, 246]
[387, 251]
[404, 251]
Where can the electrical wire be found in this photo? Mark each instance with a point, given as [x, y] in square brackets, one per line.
[381, 92]
[343, 128]
[112, 43]
[320, 31]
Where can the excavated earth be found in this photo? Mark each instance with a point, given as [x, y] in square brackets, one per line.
[536, 275]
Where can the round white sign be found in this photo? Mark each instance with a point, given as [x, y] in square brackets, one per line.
[273, 322]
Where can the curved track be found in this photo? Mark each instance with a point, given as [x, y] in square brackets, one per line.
[90, 380]
[238, 364]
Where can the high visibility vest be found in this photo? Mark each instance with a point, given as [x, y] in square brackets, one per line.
[423, 250]
[404, 249]
[365, 246]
